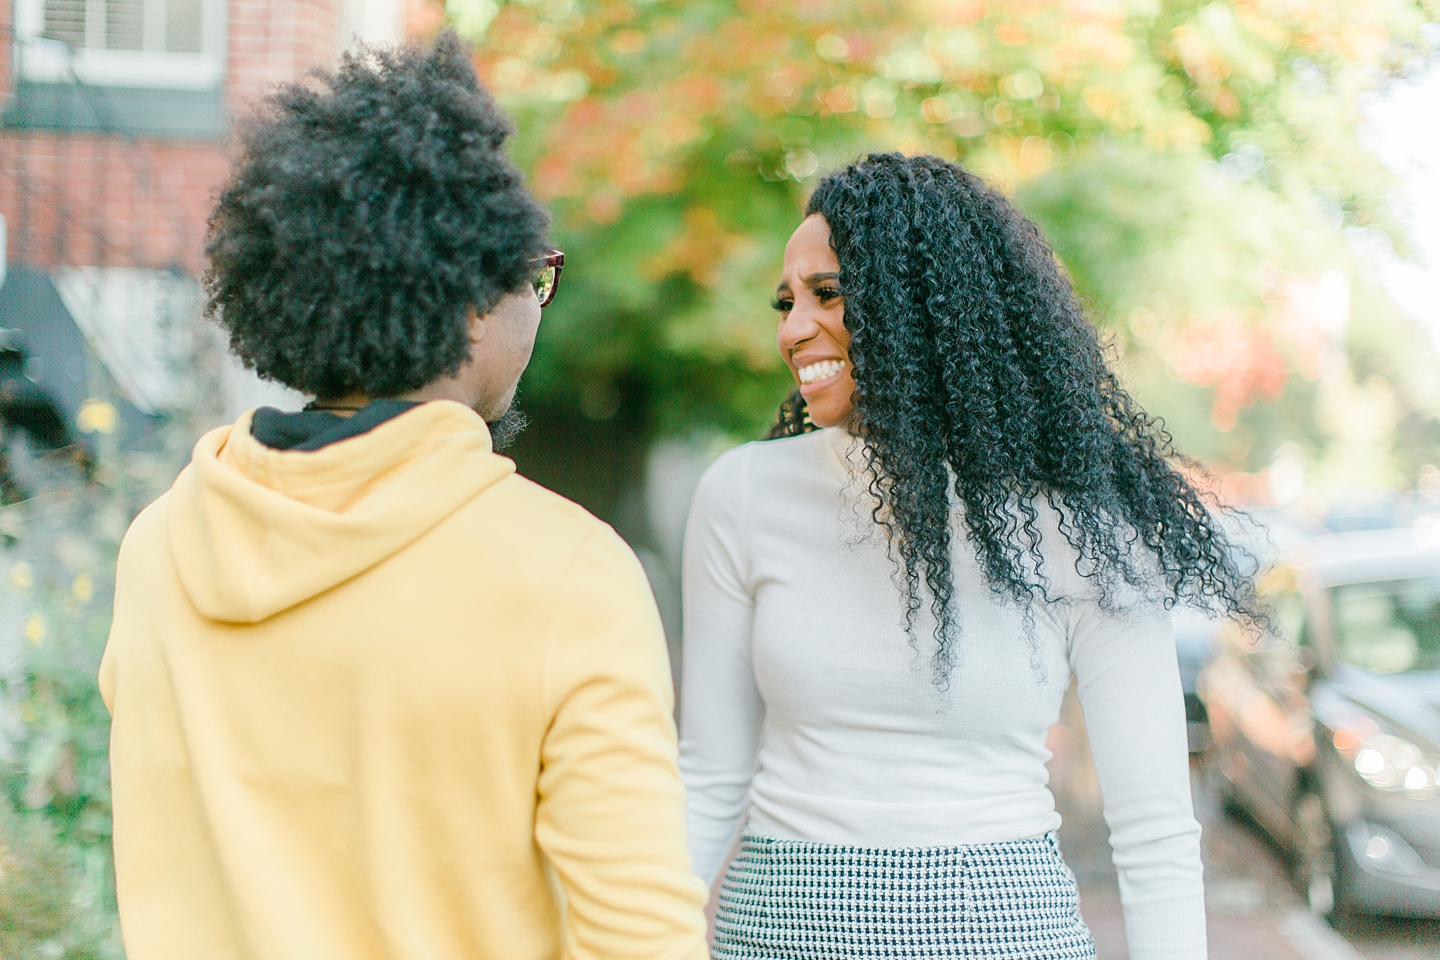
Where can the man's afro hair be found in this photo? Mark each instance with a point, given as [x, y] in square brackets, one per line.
[365, 218]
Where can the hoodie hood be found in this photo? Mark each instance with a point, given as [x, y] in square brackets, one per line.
[254, 531]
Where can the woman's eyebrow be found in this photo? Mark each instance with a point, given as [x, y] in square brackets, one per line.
[817, 278]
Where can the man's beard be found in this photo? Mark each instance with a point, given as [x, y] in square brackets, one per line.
[504, 430]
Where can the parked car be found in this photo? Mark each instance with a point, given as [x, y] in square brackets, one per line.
[1257, 536]
[1326, 730]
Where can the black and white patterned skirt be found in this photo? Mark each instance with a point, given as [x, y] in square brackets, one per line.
[795, 900]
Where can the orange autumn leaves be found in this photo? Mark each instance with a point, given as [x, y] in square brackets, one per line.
[638, 86]
[699, 100]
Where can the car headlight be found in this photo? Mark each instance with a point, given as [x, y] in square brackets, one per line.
[1386, 761]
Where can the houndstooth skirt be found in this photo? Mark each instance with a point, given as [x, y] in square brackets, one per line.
[794, 900]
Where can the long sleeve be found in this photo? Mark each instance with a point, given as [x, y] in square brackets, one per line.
[721, 710]
[609, 816]
[1129, 687]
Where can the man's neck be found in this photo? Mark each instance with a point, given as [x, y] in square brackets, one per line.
[447, 389]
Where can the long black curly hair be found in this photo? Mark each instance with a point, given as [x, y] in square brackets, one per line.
[365, 218]
[976, 370]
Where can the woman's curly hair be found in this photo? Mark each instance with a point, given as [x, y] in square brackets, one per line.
[363, 220]
[976, 370]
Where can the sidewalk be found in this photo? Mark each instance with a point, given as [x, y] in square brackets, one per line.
[1231, 936]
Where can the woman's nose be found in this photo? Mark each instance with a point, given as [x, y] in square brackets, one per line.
[797, 328]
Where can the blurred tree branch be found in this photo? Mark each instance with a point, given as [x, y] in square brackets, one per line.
[1195, 164]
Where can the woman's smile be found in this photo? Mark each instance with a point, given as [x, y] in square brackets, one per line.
[812, 336]
[818, 374]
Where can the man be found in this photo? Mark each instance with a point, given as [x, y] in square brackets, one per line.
[375, 696]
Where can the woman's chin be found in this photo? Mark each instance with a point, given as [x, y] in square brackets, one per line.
[829, 414]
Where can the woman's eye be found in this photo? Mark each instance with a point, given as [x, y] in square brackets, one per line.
[784, 306]
[826, 294]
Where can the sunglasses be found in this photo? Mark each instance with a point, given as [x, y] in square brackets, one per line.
[547, 276]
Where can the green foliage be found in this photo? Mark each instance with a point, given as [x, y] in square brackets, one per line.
[57, 891]
[59, 575]
[1194, 164]
[703, 347]
[1143, 232]
[41, 916]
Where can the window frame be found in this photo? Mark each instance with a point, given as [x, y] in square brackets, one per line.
[40, 60]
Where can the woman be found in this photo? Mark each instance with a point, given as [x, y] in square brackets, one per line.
[882, 615]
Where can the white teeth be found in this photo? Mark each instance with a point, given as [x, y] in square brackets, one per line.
[819, 371]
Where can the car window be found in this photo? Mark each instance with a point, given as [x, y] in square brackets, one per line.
[1391, 626]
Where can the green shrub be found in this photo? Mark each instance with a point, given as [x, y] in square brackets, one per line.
[57, 889]
[44, 912]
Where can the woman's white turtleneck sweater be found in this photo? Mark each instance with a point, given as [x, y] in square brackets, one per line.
[808, 715]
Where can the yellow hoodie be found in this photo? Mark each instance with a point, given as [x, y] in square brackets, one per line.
[388, 700]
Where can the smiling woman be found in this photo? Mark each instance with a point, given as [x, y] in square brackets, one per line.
[955, 433]
[812, 336]
[967, 363]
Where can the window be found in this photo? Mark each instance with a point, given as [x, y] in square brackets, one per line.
[141, 43]
[1389, 627]
[156, 26]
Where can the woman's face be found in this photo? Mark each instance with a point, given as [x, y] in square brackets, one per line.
[812, 335]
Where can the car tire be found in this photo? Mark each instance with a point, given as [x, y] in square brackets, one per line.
[1230, 803]
[1318, 876]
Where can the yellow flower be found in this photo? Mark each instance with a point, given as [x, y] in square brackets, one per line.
[83, 588]
[21, 576]
[35, 628]
[96, 416]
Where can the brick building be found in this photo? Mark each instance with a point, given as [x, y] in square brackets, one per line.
[113, 118]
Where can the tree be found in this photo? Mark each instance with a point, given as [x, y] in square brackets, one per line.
[1195, 165]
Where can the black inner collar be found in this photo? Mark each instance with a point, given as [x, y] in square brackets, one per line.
[314, 429]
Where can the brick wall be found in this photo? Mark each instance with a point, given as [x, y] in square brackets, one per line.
[96, 201]
[273, 41]
[7, 46]
[91, 199]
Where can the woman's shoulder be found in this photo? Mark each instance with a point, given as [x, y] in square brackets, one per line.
[765, 477]
[1055, 558]
[1073, 572]
[759, 459]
